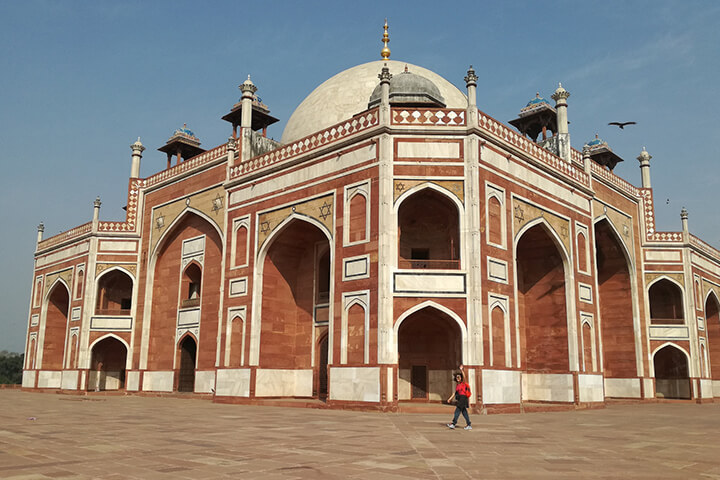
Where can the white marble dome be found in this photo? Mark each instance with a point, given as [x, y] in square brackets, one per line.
[348, 93]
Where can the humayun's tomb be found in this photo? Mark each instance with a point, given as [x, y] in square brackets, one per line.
[394, 233]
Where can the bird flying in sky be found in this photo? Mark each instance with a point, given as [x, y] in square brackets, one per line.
[622, 124]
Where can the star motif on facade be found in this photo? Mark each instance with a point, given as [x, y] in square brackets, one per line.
[217, 203]
[400, 186]
[564, 231]
[325, 210]
[264, 227]
[626, 231]
[160, 222]
[519, 214]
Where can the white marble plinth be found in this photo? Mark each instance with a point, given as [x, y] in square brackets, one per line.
[591, 388]
[283, 383]
[28, 379]
[622, 387]
[547, 387]
[204, 381]
[233, 383]
[132, 382]
[70, 379]
[355, 384]
[500, 386]
[49, 379]
[158, 381]
[706, 388]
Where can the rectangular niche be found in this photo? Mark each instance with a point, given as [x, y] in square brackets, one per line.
[238, 287]
[356, 267]
[585, 293]
[497, 270]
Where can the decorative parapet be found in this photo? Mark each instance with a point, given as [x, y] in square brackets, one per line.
[440, 117]
[649, 220]
[607, 175]
[196, 161]
[311, 142]
[704, 247]
[498, 130]
[65, 236]
[130, 223]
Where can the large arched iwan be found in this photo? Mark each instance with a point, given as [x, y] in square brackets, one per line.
[166, 297]
[56, 320]
[542, 309]
[616, 304]
[712, 324]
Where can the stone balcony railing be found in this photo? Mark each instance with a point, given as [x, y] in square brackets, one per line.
[64, 236]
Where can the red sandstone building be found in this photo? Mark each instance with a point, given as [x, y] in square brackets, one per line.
[393, 234]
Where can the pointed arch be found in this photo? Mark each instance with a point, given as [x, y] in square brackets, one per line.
[711, 309]
[545, 332]
[101, 294]
[666, 297]
[619, 238]
[432, 186]
[178, 220]
[671, 365]
[54, 322]
[110, 358]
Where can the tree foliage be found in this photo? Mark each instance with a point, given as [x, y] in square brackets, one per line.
[11, 366]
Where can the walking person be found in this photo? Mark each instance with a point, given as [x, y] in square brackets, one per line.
[462, 397]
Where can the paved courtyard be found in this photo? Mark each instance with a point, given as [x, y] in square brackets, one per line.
[59, 436]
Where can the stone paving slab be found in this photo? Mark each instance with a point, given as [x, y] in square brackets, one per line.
[134, 437]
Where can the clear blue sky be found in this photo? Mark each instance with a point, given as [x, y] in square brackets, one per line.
[81, 80]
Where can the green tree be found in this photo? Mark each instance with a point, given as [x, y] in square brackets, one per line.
[11, 366]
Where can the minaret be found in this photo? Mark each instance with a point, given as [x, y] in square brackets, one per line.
[685, 229]
[231, 147]
[471, 84]
[560, 96]
[137, 149]
[644, 160]
[40, 230]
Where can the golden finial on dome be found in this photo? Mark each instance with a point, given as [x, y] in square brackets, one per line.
[385, 52]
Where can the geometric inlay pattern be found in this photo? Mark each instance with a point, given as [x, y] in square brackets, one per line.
[321, 209]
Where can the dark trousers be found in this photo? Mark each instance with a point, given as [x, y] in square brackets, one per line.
[458, 411]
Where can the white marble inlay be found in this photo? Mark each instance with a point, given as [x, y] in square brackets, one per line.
[429, 283]
[356, 267]
[238, 287]
[663, 256]
[666, 332]
[158, 381]
[497, 270]
[500, 386]
[75, 315]
[34, 320]
[193, 246]
[188, 317]
[622, 387]
[706, 388]
[428, 150]
[706, 264]
[67, 253]
[110, 323]
[585, 293]
[117, 246]
[283, 383]
[233, 383]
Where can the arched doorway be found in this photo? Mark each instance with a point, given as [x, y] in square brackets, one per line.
[672, 378]
[666, 303]
[712, 324]
[186, 372]
[56, 321]
[322, 354]
[295, 302]
[107, 366]
[616, 304]
[429, 351]
[428, 232]
[542, 309]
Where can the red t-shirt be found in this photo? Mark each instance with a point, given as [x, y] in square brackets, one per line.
[462, 388]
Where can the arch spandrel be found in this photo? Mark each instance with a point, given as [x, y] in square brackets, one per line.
[677, 277]
[321, 209]
[622, 223]
[456, 187]
[64, 275]
[524, 213]
[211, 203]
[708, 287]
[101, 267]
